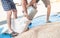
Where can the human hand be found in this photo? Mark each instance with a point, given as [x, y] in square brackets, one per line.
[27, 5]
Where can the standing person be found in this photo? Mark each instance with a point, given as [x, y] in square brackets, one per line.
[47, 4]
[10, 7]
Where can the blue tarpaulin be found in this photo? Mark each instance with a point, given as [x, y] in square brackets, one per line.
[5, 35]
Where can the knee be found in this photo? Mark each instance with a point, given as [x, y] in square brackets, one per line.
[9, 13]
[48, 6]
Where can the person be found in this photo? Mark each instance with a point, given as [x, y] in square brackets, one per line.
[47, 4]
[10, 8]
[25, 5]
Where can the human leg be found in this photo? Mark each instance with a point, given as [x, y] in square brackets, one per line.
[47, 4]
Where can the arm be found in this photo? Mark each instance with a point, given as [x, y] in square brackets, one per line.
[32, 3]
[24, 4]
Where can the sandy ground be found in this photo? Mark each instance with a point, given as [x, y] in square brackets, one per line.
[49, 30]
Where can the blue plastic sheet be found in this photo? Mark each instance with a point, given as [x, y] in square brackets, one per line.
[5, 35]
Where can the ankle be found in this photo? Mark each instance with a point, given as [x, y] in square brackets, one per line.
[10, 31]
